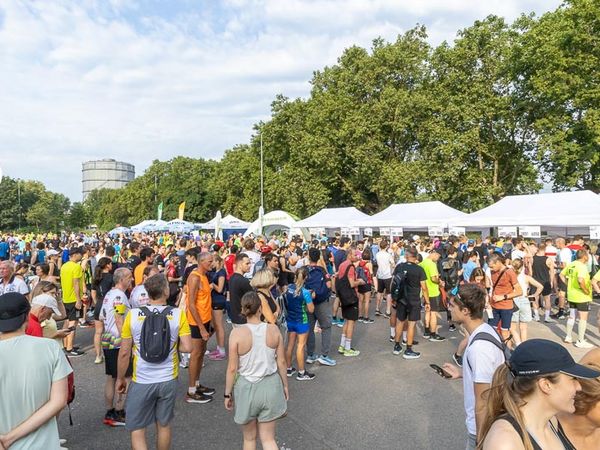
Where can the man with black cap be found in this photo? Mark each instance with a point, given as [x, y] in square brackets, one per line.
[72, 284]
[37, 390]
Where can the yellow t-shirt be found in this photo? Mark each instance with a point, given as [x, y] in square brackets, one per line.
[597, 276]
[68, 272]
[143, 371]
[431, 271]
[572, 273]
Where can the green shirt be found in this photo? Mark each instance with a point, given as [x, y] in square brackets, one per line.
[572, 273]
[431, 270]
[35, 363]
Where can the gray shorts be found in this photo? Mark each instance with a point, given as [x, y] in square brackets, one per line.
[523, 315]
[263, 401]
[150, 403]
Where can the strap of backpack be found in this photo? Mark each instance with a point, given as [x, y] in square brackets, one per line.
[167, 310]
[146, 311]
[485, 336]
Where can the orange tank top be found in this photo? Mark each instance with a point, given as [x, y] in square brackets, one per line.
[202, 301]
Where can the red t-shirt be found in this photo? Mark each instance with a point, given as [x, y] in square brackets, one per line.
[228, 263]
[33, 327]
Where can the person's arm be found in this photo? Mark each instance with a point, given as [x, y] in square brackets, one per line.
[596, 282]
[583, 285]
[76, 288]
[220, 286]
[266, 310]
[455, 372]
[232, 368]
[352, 279]
[61, 308]
[57, 401]
[282, 365]
[480, 406]
[425, 293]
[123, 363]
[308, 299]
[536, 284]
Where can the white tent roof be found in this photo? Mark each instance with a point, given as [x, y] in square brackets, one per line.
[275, 220]
[181, 226]
[412, 215]
[333, 218]
[228, 222]
[558, 209]
[143, 225]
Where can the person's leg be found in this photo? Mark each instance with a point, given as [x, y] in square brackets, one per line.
[388, 303]
[410, 335]
[194, 370]
[360, 305]
[163, 437]
[98, 329]
[290, 348]
[547, 307]
[349, 326]
[393, 322]
[378, 298]
[399, 330]
[120, 400]
[249, 433]
[515, 327]
[336, 306]
[570, 324]
[203, 344]
[300, 351]
[266, 431]
[69, 338]
[367, 304]
[310, 341]
[109, 391]
[138, 439]
[582, 325]
[217, 319]
[523, 331]
[433, 322]
[323, 315]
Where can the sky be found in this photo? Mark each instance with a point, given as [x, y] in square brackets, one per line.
[143, 80]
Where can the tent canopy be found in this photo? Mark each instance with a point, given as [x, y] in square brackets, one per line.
[180, 226]
[333, 218]
[144, 225]
[119, 230]
[276, 220]
[228, 222]
[557, 209]
[412, 215]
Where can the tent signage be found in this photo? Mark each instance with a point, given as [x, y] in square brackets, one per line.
[456, 231]
[396, 232]
[435, 231]
[507, 231]
[595, 232]
[530, 232]
[384, 231]
[368, 231]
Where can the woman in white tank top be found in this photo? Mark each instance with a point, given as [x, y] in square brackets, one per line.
[256, 383]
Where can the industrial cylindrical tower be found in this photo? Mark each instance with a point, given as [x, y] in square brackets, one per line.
[105, 173]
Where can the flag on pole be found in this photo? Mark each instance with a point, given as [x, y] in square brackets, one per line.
[159, 212]
[181, 210]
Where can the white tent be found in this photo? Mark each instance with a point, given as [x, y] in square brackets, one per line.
[575, 209]
[416, 216]
[119, 230]
[144, 225]
[180, 226]
[228, 222]
[333, 218]
[276, 220]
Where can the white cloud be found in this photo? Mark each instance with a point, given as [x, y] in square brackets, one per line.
[137, 81]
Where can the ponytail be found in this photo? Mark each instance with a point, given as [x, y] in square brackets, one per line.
[102, 264]
[301, 276]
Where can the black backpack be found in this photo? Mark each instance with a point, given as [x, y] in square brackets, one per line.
[155, 338]
[344, 290]
[398, 289]
[485, 336]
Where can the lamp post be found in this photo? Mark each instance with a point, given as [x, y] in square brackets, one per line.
[19, 200]
[262, 185]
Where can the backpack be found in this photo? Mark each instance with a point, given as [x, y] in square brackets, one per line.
[260, 265]
[485, 336]
[155, 337]
[450, 272]
[361, 273]
[70, 391]
[317, 282]
[398, 288]
[346, 292]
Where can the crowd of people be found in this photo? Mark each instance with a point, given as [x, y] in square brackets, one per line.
[158, 301]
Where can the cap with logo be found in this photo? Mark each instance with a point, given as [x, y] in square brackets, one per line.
[541, 357]
[48, 301]
[14, 309]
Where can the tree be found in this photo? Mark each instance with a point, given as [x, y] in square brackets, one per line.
[78, 216]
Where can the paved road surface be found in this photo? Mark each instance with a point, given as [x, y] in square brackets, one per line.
[374, 401]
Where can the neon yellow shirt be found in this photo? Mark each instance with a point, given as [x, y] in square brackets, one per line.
[572, 273]
[431, 271]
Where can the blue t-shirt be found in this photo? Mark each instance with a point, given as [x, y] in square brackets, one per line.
[213, 277]
[4, 248]
[296, 304]
[468, 269]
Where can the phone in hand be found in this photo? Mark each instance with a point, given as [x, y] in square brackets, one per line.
[441, 372]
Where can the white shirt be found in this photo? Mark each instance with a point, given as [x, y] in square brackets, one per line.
[115, 302]
[564, 256]
[254, 258]
[139, 296]
[15, 284]
[385, 262]
[480, 361]
[517, 254]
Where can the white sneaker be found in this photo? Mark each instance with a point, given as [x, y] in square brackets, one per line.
[549, 320]
[583, 344]
[569, 340]
[62, 441]
[99, 359]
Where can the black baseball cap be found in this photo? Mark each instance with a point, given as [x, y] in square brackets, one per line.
[14, 308]
[540, 357]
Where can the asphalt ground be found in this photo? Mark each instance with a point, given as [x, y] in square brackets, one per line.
[373, 401]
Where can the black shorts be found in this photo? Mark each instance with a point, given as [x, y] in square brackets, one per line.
[411, 311]
[560, 284]
[364, 288]
[384, 286]
[195, 330]
[73, 313]
[350, 312]
[581, 307]
[97, 310]
[218, 305]
[436, 304]
[547, 290]
[111, 358]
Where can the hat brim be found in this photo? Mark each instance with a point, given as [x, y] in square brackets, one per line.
[12, 324]
[580, 371]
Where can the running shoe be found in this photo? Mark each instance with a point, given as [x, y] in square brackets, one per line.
[549, 320]
[583, 344]
[377, 312]
[368, 320]
[205, 390]
[290, 371]
[569, 340]
[397, 349]
[351, 352]
[452, 327]
[84, 325]
[411, 354]
[99, 359]
[386, 315]
[340, 323]
[341, 350]
[310, 359]
[561, 315]
[305, 376]
[109, 417]
[458, 359]
[426, 334]
[119, 418]
[217, 356]
[436, 338]
[197, 398]
[326, 360]
[74, 353]
[335, 320]
[392, 338]
[361, 319]
[62, 441]
[415, 342]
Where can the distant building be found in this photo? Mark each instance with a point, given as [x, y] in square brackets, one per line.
[105, 173]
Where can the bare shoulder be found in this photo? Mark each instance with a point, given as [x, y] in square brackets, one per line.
[273, 335]
[239, 333]
[502, 436]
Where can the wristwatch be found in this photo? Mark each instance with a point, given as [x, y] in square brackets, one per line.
[227, 395]
[505, 296]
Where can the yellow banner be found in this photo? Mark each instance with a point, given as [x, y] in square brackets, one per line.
[181, 210]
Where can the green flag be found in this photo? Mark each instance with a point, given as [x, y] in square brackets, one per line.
[160, 208]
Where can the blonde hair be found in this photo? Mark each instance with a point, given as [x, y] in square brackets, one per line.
[264, 278]
[517, 264]
[589, 395]
[300, 279]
